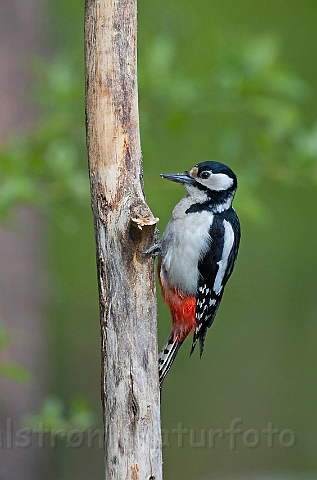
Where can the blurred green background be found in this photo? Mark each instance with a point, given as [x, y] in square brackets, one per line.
[232, 81]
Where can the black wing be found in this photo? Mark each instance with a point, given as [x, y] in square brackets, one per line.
[215, 269]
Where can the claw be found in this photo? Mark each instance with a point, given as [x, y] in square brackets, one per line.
[154, 250]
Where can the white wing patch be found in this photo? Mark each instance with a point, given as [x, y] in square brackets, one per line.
[227, 247]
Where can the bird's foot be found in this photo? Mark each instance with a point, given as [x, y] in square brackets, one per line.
[154, 250]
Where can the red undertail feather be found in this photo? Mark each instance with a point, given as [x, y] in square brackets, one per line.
[183, 310]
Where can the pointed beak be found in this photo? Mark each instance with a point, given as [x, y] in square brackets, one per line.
[183, 178]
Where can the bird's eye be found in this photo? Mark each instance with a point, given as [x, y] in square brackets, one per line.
[205, 175]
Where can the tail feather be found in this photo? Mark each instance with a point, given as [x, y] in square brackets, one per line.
[195, 340]
[201, 331]
[167, 356]
[202, 339]
[199, 334]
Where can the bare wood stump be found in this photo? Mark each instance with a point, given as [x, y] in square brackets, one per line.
[124, 225]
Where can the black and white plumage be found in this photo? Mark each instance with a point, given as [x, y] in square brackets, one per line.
[198, 252]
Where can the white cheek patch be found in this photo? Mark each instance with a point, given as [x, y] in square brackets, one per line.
[217, 181]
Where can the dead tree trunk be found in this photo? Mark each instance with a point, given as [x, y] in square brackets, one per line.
[124, 225]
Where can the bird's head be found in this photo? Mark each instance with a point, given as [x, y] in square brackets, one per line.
[207, 181]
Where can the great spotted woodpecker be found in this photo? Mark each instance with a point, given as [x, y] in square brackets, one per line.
[197, 253]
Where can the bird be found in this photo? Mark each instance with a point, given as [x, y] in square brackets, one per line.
[196, 254]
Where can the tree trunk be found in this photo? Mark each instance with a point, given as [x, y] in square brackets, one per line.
[124, 225]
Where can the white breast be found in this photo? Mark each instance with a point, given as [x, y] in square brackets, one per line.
[185, 240]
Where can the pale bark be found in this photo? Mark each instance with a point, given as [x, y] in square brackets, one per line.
[124, 225]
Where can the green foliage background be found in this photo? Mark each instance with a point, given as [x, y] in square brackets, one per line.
[232, 81]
